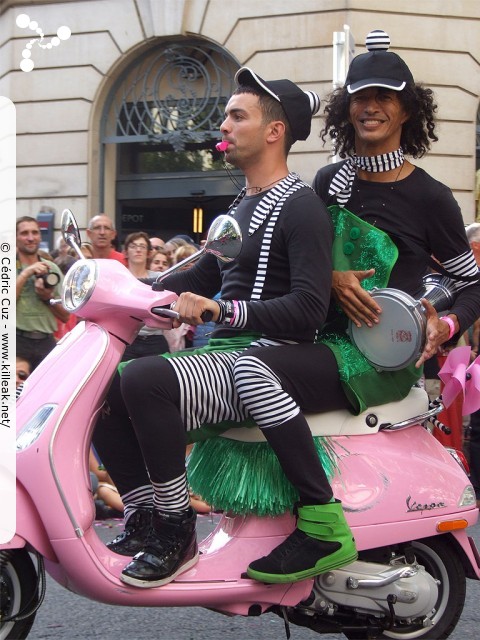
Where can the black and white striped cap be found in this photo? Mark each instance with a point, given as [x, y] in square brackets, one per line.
[299, 106]
[379, 67]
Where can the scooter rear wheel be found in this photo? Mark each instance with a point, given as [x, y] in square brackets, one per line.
[18, 591]
[440, 560]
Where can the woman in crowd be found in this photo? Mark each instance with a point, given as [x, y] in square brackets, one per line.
[150, 341]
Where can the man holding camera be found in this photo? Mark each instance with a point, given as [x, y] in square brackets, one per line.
[38, 282]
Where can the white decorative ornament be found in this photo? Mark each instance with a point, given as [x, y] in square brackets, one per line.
[23, 22]
[26, 65]
[64, 33]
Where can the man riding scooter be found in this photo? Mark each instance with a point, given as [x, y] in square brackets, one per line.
[269, 296]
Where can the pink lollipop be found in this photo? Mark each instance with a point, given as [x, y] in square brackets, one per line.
[221, 146]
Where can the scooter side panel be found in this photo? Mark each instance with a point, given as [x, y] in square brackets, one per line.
[390, 477]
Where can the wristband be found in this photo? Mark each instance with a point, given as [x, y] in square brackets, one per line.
[451, 324]
[227, 311]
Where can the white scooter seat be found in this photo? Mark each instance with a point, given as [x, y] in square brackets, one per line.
[343, 423]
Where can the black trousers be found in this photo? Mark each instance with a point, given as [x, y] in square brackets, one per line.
[144, 346]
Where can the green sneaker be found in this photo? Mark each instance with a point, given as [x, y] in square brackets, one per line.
[322, 541]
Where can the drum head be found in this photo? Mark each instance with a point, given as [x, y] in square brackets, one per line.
[397, 340]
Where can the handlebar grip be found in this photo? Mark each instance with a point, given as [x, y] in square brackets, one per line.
[206, 316]
[150, 281]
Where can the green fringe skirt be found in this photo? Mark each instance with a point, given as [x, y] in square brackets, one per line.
[245, 477]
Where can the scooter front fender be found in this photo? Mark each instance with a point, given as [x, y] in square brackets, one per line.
[30, 531]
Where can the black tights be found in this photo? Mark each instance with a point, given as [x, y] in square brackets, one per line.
[150, 389]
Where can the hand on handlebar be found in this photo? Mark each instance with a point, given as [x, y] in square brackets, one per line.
[357, 303]
[195, 310]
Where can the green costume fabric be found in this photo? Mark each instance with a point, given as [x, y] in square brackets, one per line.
[359, 246]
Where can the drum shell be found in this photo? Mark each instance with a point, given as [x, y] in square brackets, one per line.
[398, 339]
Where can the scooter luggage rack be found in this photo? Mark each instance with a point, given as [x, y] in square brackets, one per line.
[428, 416]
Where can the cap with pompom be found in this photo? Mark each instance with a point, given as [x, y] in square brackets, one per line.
[379, 67]
[299, 106]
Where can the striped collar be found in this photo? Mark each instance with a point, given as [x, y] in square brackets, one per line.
[341, 184]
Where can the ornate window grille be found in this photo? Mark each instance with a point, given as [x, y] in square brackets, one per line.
[173, 96]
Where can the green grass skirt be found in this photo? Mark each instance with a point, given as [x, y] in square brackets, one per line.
[245, 477]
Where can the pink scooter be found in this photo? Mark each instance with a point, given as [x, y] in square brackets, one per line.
[407, 500]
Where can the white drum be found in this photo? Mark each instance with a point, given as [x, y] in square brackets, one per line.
[398, 339]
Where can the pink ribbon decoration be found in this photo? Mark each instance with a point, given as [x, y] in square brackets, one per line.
[459, 376]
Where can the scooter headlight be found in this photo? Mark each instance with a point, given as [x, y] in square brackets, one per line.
[79, 284]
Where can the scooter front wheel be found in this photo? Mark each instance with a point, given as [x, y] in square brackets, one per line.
[440, 560]
[18, 593]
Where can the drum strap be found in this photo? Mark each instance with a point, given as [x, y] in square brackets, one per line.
[436, 266]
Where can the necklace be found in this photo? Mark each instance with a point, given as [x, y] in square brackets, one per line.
[398, 174]
[392, 188]
[260, 189]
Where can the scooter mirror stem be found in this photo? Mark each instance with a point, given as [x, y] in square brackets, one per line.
[71, 232]
[224, 240]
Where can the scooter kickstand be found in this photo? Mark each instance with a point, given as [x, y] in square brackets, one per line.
[286, 622]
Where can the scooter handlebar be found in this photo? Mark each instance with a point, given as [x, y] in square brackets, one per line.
[171, 313]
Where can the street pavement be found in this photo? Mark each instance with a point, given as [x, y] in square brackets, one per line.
[66, 616]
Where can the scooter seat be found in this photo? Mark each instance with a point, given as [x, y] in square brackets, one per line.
[343, 423]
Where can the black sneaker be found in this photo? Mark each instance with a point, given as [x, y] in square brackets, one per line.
[133, 538]
[171, 549]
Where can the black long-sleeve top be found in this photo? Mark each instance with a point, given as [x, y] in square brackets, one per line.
[295, 297]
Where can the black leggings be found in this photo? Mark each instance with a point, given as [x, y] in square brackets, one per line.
[149, 387]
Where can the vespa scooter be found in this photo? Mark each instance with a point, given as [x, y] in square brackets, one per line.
[407, 500]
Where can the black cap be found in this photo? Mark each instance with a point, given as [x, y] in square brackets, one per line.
[379, 67]
[299, 105]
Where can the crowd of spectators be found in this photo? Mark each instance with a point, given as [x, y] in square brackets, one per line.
[40, 324]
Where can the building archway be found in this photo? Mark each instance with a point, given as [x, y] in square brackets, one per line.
[158, 129]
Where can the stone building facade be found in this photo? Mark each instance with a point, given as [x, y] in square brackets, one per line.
[123, 115]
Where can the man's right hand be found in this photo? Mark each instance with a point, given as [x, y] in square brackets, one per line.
[357, 303]
[190, 307]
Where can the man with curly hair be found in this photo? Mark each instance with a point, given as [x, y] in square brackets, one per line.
[374, 121]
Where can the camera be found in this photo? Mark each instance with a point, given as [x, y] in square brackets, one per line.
[50, 279]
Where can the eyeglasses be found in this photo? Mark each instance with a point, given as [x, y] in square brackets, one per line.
[156, 248]
[22, 375]
[101, 227]
[142, 247]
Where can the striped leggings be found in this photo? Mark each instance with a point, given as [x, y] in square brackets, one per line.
[163, 398]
